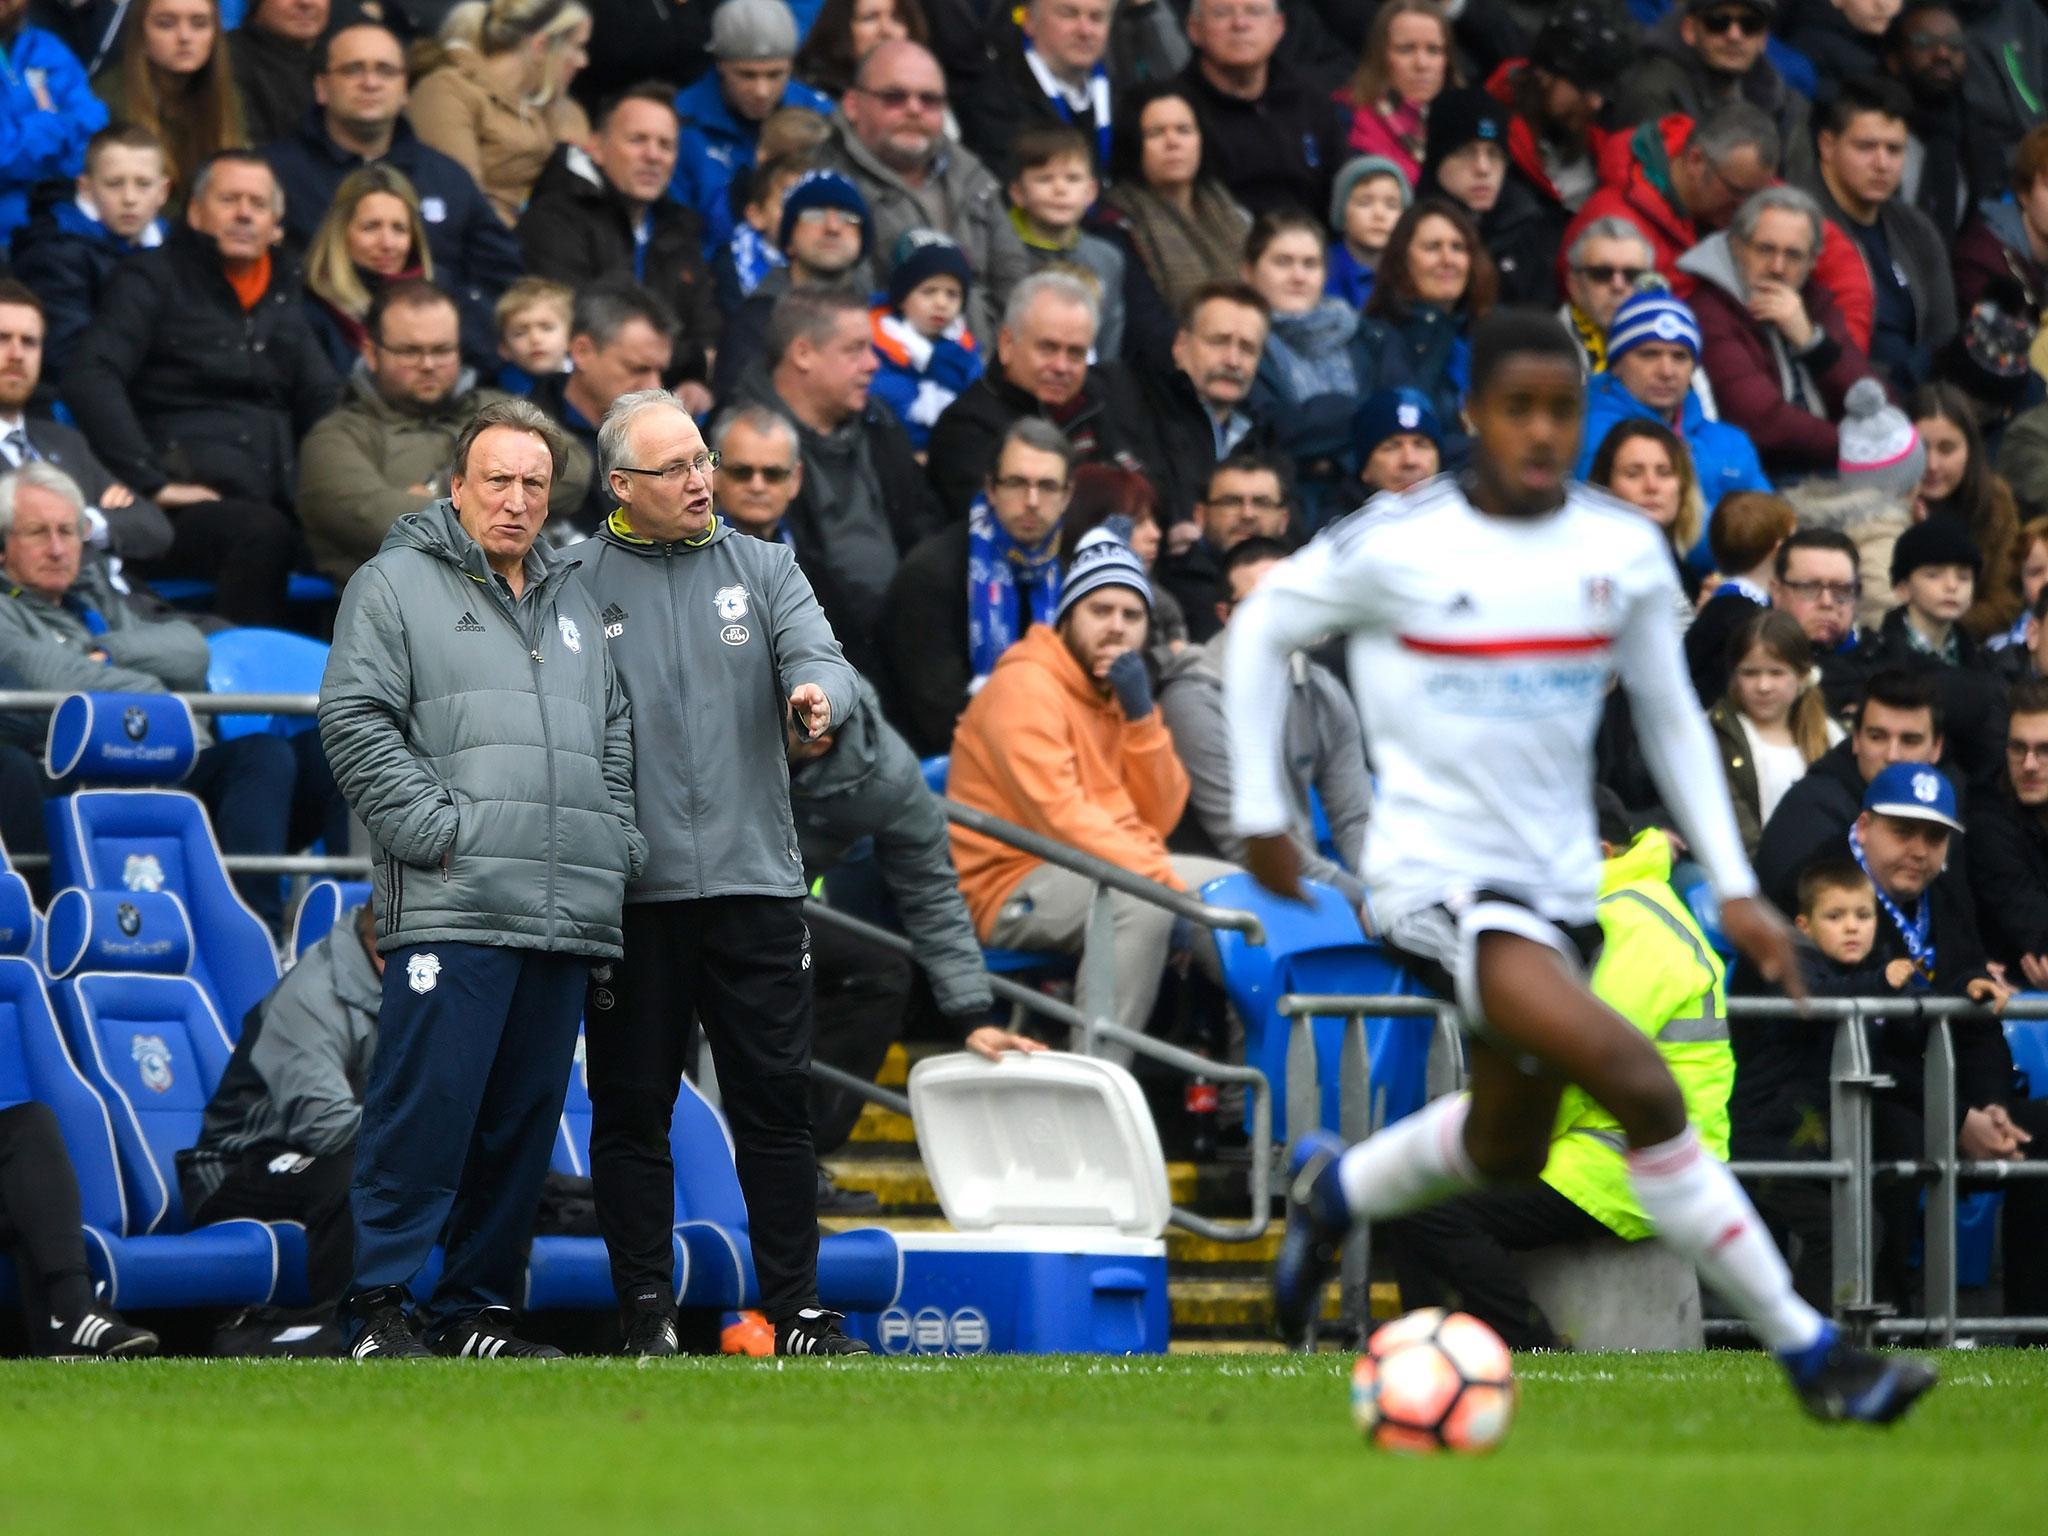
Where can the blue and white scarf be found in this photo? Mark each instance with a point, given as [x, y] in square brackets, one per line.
[1919, 933]
[994, 561]
[754, 256]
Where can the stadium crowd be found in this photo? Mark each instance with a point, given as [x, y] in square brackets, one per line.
[1035, 337]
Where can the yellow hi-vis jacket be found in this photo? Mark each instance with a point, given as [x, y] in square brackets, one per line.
[1658, 972]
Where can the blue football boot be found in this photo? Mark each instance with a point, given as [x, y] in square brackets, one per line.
[1839, 1383]
[1317, 1220]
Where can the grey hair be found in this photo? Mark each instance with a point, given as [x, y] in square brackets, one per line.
[203, 178]
[521, 416]
[1037, 433]
[614, 431]
[1065, 286]
[45, 477]
[1733, 126]
[756, 418]
[1612, 227]
[1779, 200]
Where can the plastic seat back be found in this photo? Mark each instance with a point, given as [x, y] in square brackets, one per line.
[2028, 1040]
[1397, 1046]
[935, 772]
[260, 660]
[321, 907]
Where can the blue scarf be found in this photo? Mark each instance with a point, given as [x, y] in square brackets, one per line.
[1919, 933]
[753, 257]
[994, 560]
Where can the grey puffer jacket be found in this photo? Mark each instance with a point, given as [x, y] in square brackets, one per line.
[870, 785]
[710, 637]
[486, 744]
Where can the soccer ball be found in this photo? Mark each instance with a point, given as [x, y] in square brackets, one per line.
[1434, 1381]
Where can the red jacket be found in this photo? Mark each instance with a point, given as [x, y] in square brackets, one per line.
[1524, 152]
[1633, 167]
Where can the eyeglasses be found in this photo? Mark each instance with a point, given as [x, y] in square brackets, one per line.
[1928, 42]
[1600, 274]
[364, 69]
[1256, 503]
[445, 353]
[896, 99]
[1844, 592]
[1748, 23]
[703, 464]
[2027, 751]
[817, 216]
[1229, 13]
[1025, 484]
[774, 474]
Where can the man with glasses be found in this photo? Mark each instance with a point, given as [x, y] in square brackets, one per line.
[970, 591]
[1947, 156]
[1602, 266]
[1709, 53]
[1246, 498]
[384, 451]
[1815, 579]
[824, 231]
[358, 119]
[889, 139]
[1269, 137]
[714, 921]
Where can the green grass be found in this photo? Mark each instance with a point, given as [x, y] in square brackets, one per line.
[1237, 1444]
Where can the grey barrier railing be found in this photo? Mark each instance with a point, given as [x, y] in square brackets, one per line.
[1851, 1170]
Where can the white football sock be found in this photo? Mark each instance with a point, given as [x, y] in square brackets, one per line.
[1698, 1208]
[1410, 1164]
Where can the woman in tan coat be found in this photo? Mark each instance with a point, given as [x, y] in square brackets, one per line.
[498, 103]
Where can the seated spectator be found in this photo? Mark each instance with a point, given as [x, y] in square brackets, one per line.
[1554, 139]
[1325, 748]
[1653, 365]
[621, 339]
[1647, 465]
[373, 236]
[1185, 225]
[604, 214]
[1051, 73]
[753, 45]
[2008, 841]
[1040, 369]
[1398, 440]
[1935, 566]
[1657, 972]
[497, 103]
[1861, 159]
[1961, 485]
[889, 140]
[197, 377]
[1122, 503]
[760, 471]
[533, 321]
[68, 250]
[1065, 740]
[969, 592]
[1707, 53]
[122, 525]
[927, 355]
[359, 120]
[1366, 201]
[278, 1141]
[750, 252]
[1842, 39]
[1052, 186]
[64, 629]
[824, 233]
[1272, 138]
[1246, 499]
[1407, 62]
[1745, 534]
[174, 78]
[2028, 559]
[1467, 163]
[1814, 577]
[1774, 344]
[1201, 411]
[1436, 283]
[847, 31]
[1772, 724]
[1947, 165]
[1607, 260]
[863, 503]
[50, 111]
[385, 450]
[274, 54]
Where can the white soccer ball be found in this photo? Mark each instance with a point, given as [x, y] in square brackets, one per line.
[1434, 1381]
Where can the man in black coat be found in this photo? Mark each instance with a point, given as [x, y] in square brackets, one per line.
[1198, 412]
[274, 54]
[197, 378]
[2008, 843]
[1246, 498]
[358, 119]
[1267, 135]
[605, 213]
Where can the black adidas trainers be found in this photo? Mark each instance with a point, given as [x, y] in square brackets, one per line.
[98, 1334]
[814, 1331]
[386, 1330]
[651, 1331]
[488, 1335]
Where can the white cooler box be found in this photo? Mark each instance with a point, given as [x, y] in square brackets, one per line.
[1049, 1168]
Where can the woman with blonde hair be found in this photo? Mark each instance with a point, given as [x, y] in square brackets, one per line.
[495, 98]
[1406, 64]
[175, 79]
[373, 234]
[1773, 722]
[1647, 465]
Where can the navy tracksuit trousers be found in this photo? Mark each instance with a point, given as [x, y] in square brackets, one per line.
[474, 1044]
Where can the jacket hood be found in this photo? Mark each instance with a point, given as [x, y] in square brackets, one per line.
[1197, 665]
[438, 532]
[1842, 504]
[1605, 392]
[1647, 860]
[1713, 262]
[617, 531]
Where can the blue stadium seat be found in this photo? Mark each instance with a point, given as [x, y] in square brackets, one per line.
[161, 840]
[1694, 889]
[300, 588]
[935, 772]
[259, 660]
[323, 903]
[2028, 1039]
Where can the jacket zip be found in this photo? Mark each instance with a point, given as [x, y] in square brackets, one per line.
[690, 778]
[547, 741]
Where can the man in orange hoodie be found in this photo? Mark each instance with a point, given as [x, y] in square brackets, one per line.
[1063, 739]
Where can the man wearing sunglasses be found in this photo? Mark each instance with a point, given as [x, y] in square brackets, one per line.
[1948, 157]
[1709, 52]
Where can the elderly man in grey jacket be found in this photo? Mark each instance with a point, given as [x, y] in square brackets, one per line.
[722, 647]
[479, 730]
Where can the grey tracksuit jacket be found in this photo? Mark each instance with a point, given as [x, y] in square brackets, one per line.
[486, 744]
[710, 636]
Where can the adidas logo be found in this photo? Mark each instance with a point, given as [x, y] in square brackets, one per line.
[614, 620]
[467, 624]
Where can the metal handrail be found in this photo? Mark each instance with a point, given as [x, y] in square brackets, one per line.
[32, 699]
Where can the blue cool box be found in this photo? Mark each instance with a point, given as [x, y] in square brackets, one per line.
[1049, 1168]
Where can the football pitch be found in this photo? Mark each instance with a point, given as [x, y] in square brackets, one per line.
[1153, 1447]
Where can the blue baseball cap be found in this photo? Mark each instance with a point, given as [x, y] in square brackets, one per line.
[1913, 792]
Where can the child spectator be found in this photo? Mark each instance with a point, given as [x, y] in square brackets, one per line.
[1773, 722]
[533, 333]
[927, 353]
[1838, 917]
[1055, 186]
[71, 244]
[1744, 533]
[751, 253]
[1366, 202]
[1934, 578]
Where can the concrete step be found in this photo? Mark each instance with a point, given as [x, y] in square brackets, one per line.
[1245, 1306]
[882, 1127]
